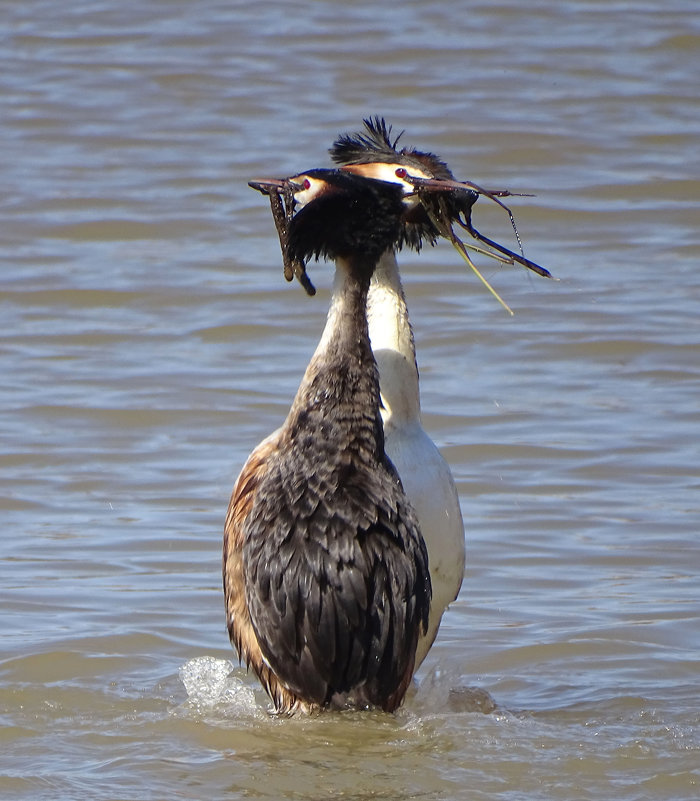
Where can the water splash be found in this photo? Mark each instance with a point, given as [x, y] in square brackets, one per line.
[211, 685]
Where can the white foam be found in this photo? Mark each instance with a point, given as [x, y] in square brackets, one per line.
[209, 684]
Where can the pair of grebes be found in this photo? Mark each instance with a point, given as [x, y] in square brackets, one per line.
[344, 540]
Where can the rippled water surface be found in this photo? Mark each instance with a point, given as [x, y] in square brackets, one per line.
[149, 342]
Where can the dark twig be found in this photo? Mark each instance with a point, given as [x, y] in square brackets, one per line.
[282, 205]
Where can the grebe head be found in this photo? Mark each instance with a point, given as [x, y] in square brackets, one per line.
[438, 200]
[374, 154]
[339, 215]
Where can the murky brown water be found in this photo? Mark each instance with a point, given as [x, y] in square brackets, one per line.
[149, 342]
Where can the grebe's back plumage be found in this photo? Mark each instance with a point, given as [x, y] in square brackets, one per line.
[325, 569]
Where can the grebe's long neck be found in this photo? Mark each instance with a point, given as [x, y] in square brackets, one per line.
[341, 383]
[392, 342]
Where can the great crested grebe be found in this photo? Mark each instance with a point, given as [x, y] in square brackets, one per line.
[425, 474]
[325, 570]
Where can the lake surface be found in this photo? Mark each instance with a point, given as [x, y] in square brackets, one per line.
[149, 342]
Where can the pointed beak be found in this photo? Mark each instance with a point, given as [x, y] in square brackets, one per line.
[434, 184]
[269, 185]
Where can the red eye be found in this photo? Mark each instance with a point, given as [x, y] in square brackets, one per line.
[306, 184]
[401, 173]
